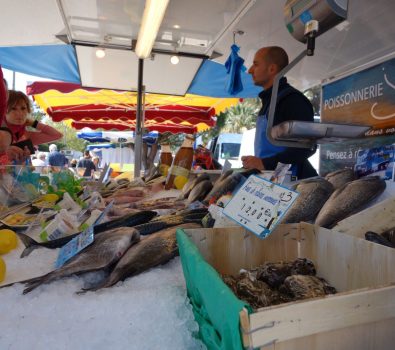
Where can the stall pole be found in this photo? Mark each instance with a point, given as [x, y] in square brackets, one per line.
[139, 134]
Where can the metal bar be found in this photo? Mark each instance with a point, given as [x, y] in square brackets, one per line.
[240, 12]
[139, 135]
[272, 109]
[65, 21]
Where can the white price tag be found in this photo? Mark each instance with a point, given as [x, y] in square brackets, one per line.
[259, 205]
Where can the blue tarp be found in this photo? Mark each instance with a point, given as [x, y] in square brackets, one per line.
[211, 80]
[116, 136]
[59, 62]
[100, 145]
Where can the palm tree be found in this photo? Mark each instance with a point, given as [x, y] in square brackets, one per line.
[242, 116]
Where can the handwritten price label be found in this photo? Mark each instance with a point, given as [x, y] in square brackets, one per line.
[259, 205]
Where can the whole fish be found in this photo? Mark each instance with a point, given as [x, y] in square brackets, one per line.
[313, 193]
[128, 220]
[192, 183]
[340, 177]
[228, 184]
[151, 251]
[155, 225]
[349, 199]
[200, 191]
[106, 250]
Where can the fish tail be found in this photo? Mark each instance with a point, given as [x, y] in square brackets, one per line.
[106, 283]
[32, 285]
[29, 243]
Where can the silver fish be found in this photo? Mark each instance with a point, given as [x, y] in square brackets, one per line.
[154, 250]
[228, 184]
[192, 183]
[200, 191]
[107, 249]
[313, 193]
[349, 199]
[340, 177]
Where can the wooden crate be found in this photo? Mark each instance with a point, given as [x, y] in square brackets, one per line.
[379, 218]
[360, 316]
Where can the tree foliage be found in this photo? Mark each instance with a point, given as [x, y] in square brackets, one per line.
[69, 140]
[242, 116]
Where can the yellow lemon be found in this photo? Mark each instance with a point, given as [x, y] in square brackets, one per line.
[50, 197]
[8, 241]
[2, 270]
[180, 181]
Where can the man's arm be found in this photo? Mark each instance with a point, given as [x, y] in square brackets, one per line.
[293, 107]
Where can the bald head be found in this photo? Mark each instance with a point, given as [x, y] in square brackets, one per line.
[274, 55]
[268, 61]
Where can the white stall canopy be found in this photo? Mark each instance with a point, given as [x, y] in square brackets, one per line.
[199, 28]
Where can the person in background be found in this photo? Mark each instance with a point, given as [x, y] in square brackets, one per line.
[17, 119]
[291, 105]
[96, 161]
[55, 158]
[40, 160]
[7, 151]
[73, 163]
[87, 163]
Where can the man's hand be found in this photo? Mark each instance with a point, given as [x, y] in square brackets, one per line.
[251, 162]
[18, 154]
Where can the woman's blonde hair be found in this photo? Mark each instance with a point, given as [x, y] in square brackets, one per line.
[14, 97]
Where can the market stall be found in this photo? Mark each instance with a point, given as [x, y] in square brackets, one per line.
[315, 285]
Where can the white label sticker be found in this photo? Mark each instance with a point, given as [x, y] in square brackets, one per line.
[259, 205]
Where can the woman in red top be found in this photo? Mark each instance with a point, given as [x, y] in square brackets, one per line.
[17, 119]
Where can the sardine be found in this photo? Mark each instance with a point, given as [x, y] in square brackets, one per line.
[223, 187]
[105, 251]
[150, 252]
[192, 183]
[340, 177]
[313, 193]
[128, 220]
[200, 191]
[349, 199]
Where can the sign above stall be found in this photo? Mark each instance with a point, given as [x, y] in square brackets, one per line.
[259, 205]
[363, 98]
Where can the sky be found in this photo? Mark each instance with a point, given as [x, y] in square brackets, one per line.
[21, 80]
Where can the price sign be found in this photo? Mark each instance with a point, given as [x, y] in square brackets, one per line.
[81, 241]
[75, 246]
[259, 205]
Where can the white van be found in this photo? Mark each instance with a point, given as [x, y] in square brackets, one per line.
[226, 146]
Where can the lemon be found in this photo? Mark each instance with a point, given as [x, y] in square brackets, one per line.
[2, 270]
[180, 181]
[8, 241]
[50, 197]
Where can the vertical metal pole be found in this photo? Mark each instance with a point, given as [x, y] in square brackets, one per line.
[13, 80]
[139, 134]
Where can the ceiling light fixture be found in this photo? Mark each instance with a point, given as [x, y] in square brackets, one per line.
[174, 59]
[154, 12]
[100, 53]
[176, 26]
